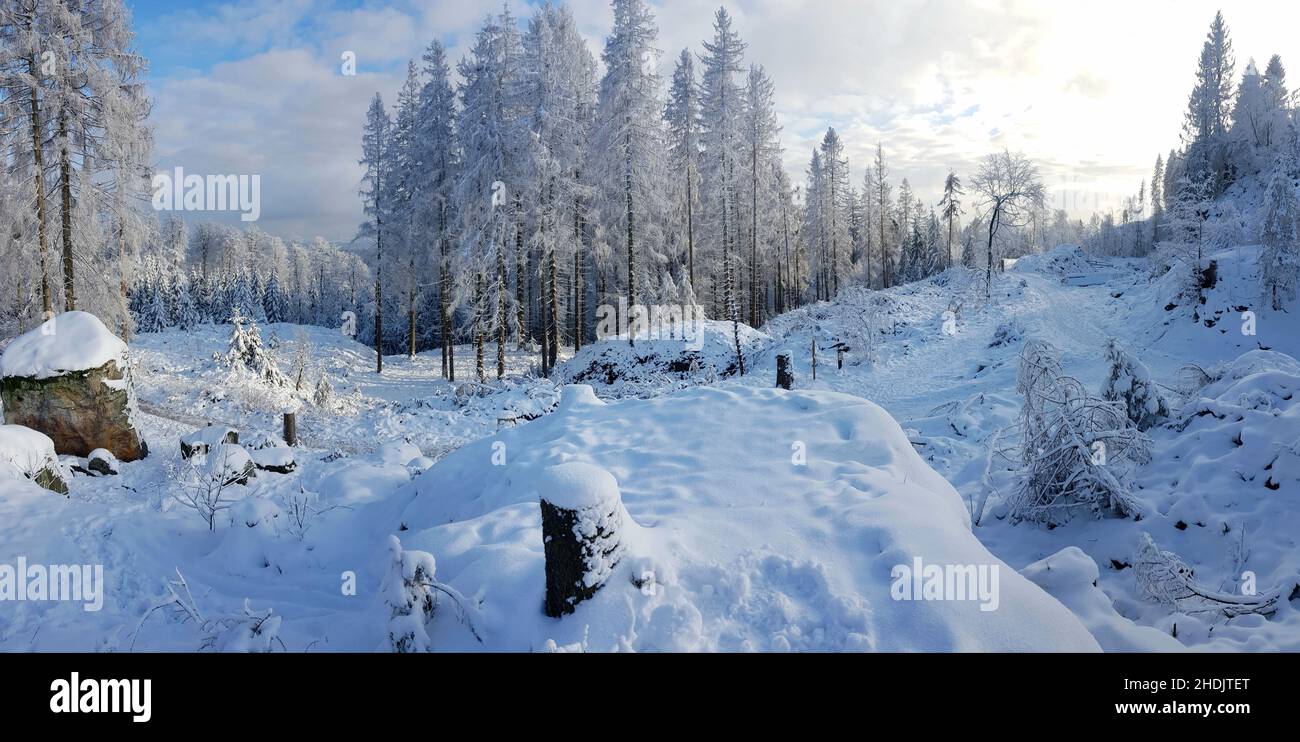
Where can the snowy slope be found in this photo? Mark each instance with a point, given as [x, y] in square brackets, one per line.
[749, 552]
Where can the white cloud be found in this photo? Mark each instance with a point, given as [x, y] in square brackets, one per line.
[1092, 91]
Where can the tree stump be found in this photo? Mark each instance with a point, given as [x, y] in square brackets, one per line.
[291, 428]
[784, 376]
[582, 516]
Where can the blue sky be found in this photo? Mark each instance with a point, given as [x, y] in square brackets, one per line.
[1091, 91]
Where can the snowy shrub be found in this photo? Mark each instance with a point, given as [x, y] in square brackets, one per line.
[324, 392]
[1130, 384]
[1075, 448]
[205, 482]
[302, 354]
[411, 595]
[1008, 333]
[408, 593]
[247, 631]
[300, 511]
[1163, 577]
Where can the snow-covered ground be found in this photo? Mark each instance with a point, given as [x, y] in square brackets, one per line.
[765, 520]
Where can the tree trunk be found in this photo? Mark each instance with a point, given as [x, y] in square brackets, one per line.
[579, 280]
[478, 328]
[38, 158]
[379, 301]
[65, 192]
[753, 241]
[631, 235]
[690, 227]
[410, 299]
[521, 278]
[502, 319]
[993, 230]
[554, 300]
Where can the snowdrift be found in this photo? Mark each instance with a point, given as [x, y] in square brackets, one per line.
[756, 520]
[659, 364]
[1066, 262]
[1233, 465]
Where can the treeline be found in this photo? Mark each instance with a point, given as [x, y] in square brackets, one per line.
[185, 280]
[1236, 130]
[509, 205]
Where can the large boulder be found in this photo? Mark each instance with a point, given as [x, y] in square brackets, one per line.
[70, 380]
[30, 454]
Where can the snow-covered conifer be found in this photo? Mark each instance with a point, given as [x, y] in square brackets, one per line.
[1130, 384]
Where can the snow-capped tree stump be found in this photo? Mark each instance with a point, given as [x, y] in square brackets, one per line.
[206, 439]
[784, 376]
[582, 516]
[69, 378]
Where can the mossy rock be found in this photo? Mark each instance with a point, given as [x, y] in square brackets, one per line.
[79, 410]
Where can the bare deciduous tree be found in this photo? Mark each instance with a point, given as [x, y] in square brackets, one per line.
[1010, 189]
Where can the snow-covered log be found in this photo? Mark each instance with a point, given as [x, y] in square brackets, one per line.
[582, 515]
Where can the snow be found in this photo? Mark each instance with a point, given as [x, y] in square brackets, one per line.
[661, 361]
[1071, 576]
[25, 452]
[577, 486]
[274, 457]
[770, 553]
[72, 341]
[752, 519]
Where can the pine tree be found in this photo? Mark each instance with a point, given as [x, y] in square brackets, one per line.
[488, 131]
[950, 209]
[437, 154]
[1280, 258]
[273, 301]
[836, 168]
[376, 157]
[557, 94]
[323, 393]
[629, 151]
[722, 106]
[883, 198]
[761, 148]
[682, 116]
[1130, 384]
[1185, 235]
[934, 247]
[1157, 200]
